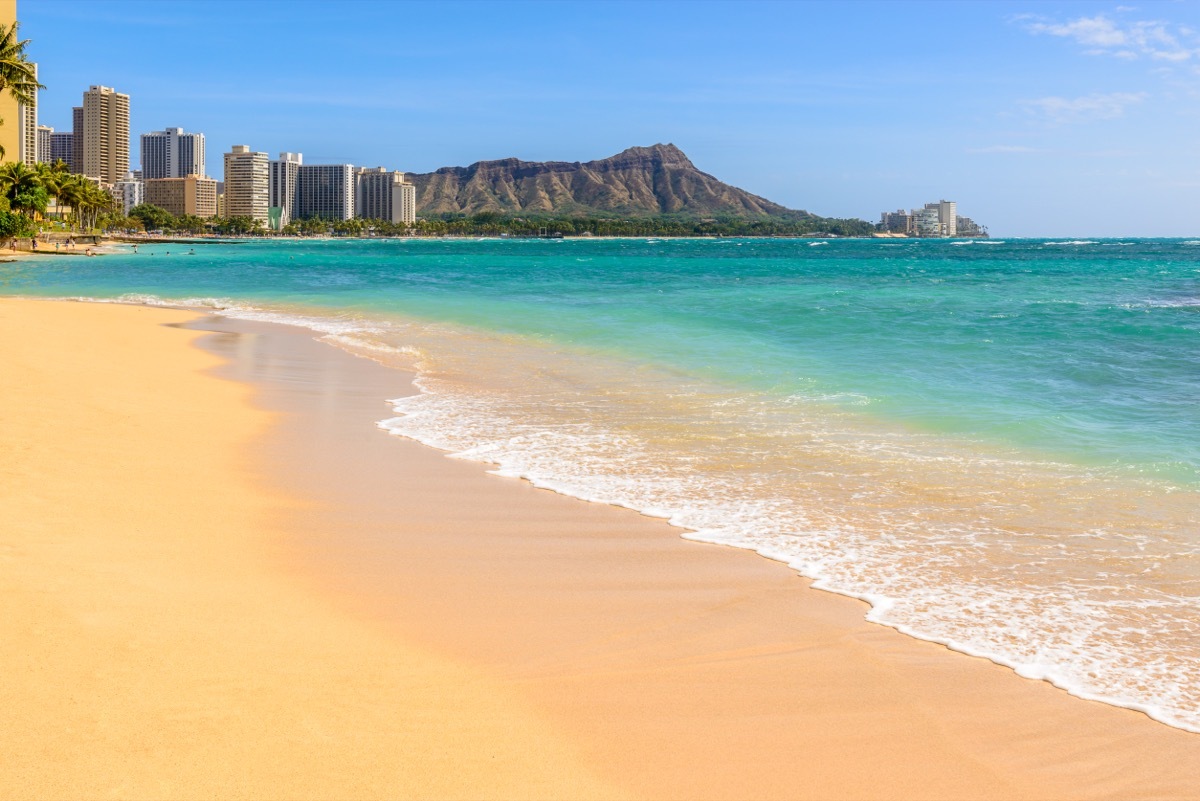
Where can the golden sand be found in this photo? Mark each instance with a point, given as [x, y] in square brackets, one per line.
[218, 589]
[151, 649]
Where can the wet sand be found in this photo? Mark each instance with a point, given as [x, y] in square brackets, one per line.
[244, 588]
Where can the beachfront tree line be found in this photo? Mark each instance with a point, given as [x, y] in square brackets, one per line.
[152, 218]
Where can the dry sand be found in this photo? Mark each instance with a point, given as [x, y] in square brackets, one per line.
[243, 589]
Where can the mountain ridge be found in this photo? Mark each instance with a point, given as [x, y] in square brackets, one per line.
[638, 181]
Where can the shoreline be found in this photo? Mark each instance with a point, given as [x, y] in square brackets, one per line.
[668, 667]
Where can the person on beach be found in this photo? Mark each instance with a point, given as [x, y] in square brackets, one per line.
[88, 252]
[33, 242]
[13, 245]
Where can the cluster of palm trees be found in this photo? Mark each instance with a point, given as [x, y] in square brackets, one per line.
[79, 201]
[30, 190]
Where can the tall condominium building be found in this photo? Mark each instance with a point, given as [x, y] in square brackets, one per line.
[189, 195]
[247, 185]
[383, 195]
[29, 125]
[325, 191]
[105, 134]
[284, 171]
[76, 160]
[18, 134]
[62, 146]
[44, 132]
[925, 221]
[171, 153]
[947, 212]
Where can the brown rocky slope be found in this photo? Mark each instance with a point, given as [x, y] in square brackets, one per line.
[640, 181]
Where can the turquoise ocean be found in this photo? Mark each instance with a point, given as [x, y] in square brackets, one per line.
[996, 444]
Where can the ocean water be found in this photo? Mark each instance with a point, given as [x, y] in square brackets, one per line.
[996, 444]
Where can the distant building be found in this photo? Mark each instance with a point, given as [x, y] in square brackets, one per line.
[925, 221]
[105, 134]
[128, 193]
[896, 222]
[383, 195]
[934, 220]
[171, 153]
[62, 146]
[285, 171]
[947, 211]
[44, 132]
[968, 227]
[325, 191]
[192, 195]
[247, 185]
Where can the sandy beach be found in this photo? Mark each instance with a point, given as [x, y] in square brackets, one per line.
[222, 580]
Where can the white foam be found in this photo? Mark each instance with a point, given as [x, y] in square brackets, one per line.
[1055, 632]
[581, 460]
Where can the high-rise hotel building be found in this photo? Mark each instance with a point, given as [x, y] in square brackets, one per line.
[171, 153]
[18, 133]
[76, 160]
[247, 184]
[383, 195]
[62, 146]
[44, 132]
[284, 173]
[325, 191]
[102, 141]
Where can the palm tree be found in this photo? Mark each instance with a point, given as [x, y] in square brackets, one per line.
[93, 202]
[71, 194]
[17, 74]
[23, 188]
[53, 177]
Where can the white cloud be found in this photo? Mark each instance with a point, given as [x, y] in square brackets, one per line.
[1003, 149]
[1101, 35]
[1081, 109]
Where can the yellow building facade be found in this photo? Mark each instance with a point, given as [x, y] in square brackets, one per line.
[18, 133]
[10, 110]
[180, 196]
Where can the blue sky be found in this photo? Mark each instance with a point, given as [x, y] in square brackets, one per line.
[1040, 119]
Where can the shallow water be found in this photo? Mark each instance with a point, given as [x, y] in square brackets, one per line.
[993, 443]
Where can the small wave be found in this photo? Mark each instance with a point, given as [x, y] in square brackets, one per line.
[1072, 242]
[816, 244]
[1181, 303]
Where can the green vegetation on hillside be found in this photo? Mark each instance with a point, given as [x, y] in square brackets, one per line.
[151, 218]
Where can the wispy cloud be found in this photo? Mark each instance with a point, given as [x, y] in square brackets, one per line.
[1015, 149]
[1125, 39]
[1082, 109]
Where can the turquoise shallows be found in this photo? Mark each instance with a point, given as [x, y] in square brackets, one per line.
[1088, 352]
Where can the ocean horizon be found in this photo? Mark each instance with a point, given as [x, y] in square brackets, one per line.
[993, 442]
